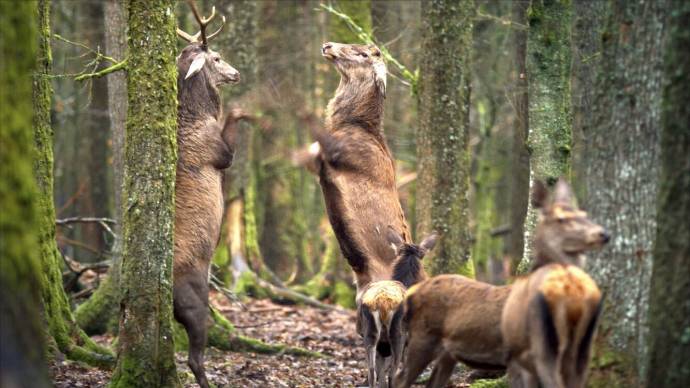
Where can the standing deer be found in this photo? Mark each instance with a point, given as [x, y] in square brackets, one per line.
[205, 149]
[550, 317]
[451, 318]
[379, 317]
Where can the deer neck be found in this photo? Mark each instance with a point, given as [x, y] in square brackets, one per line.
[357, 102]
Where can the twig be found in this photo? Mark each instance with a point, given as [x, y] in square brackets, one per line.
[98, 54]
[505, 22]
[255, 325]
[218, 285]
[368, 39]
[72, 220]
[100, 73]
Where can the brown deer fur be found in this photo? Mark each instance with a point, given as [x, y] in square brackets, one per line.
[451, 318]
[550, 317]
[355, 166]
[205, 149]
[379, 317]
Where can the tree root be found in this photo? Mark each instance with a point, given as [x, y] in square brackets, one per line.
[248, 283]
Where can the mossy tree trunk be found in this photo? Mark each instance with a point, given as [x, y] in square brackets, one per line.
[548, 75]
[66, 335]
[21, 333]
[443, 134]
[622, 171]
[99, 313]
[669, 315]
[145, 346]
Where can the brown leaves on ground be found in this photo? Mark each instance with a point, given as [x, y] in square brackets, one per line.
[329, 332]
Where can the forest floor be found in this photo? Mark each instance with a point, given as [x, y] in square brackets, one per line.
[331, 332]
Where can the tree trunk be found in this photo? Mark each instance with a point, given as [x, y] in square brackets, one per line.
[548, 71]
[443, 134]
[99, 313]
[586, 51]
[669, 310]
[67, 336]
[519, 185]
[21, 334]
[145, 346]
[622, 174]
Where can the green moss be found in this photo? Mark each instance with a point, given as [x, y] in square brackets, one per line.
[344, 295]
[490, 383]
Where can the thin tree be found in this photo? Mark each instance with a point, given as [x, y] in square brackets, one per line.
[22, 361]
[145, 345]
[519, 185]
[669, 315]
[548, 71]
[443, 134]
[66, 336]
[99, 313]
[621, 176]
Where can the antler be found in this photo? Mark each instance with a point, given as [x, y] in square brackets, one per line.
[203, 23]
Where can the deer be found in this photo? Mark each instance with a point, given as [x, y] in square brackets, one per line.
[550, 317]
[205, 150]
[379, 317]
[452, 318]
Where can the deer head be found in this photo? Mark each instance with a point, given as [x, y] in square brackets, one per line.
[564, 232]
[357, 61]
[197, 56]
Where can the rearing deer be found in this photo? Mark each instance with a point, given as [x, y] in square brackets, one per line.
[205, 149]
[451, 318]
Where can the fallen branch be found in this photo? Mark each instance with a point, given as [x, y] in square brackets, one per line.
[102, 72]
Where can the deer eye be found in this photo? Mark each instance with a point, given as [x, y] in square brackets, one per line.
[561, 220]
[216, 59]
[365, 55]
[377, 54]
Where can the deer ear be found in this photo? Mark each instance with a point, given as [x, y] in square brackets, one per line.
[429, 242]
[196, 66]
[380, 77]
[394, 238]
[539, 194]
[562, 193]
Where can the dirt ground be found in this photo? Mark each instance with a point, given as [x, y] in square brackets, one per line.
[329, 332]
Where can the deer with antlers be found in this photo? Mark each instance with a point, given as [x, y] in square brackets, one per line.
[205, 149]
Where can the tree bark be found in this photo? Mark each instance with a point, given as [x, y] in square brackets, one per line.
[66, 335]
[586, 52]
[22, 336]
[548, 71]
[99, 313]
[145, 346]
[443, 134]
[622, 149]
[519, 185]
[669, 310]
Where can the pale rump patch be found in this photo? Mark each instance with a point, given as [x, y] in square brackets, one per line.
[571, 287]
[383, 297]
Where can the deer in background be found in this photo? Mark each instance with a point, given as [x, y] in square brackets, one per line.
[378, 314]
[205, 149]
[451, 318]
[550, 317]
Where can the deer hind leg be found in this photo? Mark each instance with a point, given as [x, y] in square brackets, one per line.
[397, 342]
[442, 371]
[371, 364]
[549, 340]
[519, 377]
[420, 351]
[190, 295]
[580, 350]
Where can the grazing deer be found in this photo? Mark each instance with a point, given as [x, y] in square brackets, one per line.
[451, 318]
[550, 317]
[205, 149]
[378, 314]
